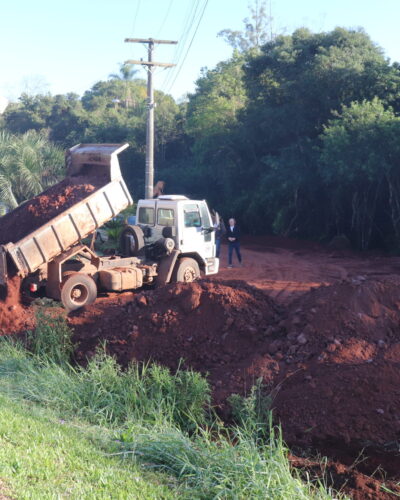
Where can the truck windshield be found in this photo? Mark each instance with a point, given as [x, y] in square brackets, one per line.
[192, 215]
[205, 215]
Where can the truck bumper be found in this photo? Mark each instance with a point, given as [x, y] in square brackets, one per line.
[212, 266]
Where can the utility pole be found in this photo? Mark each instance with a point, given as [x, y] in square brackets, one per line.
[150, 65]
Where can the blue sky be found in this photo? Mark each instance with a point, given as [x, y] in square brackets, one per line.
[67, 46]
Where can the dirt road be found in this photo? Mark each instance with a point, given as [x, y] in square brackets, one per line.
[286, 268]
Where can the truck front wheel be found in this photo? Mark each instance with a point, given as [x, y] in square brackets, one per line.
[78, 290]
[186, 270]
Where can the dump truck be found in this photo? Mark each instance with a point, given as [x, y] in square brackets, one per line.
[173, 239]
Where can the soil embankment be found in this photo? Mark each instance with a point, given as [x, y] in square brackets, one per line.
[321, 328]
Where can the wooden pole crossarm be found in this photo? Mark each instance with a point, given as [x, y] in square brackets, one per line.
[150, 63]
[149, 40]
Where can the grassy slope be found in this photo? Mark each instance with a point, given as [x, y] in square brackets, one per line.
[43, 457]
[45, 452]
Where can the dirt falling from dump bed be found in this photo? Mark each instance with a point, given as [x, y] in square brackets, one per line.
[330, 359]
[42, 208]
[14, 317]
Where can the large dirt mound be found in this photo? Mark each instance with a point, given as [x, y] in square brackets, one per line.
[214, 327]
[33, 213]
[330, 360]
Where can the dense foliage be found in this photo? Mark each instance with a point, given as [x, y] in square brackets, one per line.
[293, 134]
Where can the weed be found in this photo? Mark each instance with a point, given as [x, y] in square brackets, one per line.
[252, 412]
[51, 339]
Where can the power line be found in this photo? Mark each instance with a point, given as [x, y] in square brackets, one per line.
[187, 26]
[165, 17]
[190, 45]
[135, 18]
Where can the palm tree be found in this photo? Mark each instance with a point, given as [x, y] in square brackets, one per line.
[126, 74]
[28, 164]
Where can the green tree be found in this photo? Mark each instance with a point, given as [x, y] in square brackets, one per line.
[257, 30]
[294, 86]
[28, 164]
[360, 166]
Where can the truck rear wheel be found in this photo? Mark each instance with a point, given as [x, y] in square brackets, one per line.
[131, 241]
[186, 270]
[78, 290]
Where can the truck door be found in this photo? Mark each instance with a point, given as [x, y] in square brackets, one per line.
[195, 236]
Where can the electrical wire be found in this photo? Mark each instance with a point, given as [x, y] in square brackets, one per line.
[179, 50]
[165, 17]
[189, 47]
[135, 18]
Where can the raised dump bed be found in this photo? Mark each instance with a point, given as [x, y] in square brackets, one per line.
[95, 202]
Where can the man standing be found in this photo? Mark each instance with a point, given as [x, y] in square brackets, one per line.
[220, 231]
[233, 235]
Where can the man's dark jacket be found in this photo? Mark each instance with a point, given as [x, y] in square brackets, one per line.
[233, 234]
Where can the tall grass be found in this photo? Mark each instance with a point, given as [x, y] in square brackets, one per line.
[103, 394]
[51, 339]
[210, 465]
[163, 422]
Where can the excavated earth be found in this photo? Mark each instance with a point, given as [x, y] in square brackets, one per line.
[14, 318]
[34, 213]
[320, 327]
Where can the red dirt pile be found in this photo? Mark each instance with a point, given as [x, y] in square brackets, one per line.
[341, 345]
[33, 213]
[215, 328]
[330, 360]
[14, 317]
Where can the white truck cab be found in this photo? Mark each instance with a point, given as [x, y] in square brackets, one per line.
[186, 222]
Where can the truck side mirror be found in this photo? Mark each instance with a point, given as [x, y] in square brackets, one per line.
[207, 230]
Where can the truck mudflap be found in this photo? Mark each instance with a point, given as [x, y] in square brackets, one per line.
[3, 267]
[165, 268]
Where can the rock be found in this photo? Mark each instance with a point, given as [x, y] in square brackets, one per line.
[296, 321]
[331, 347]
[141, 301]
[275, 346]
[190, 299]
[380, 411]
[302, 339]
[308, 330]
[269, 331]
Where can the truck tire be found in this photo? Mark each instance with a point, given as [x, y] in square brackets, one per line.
[78, 290]
[186, 270]
[131, 241]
